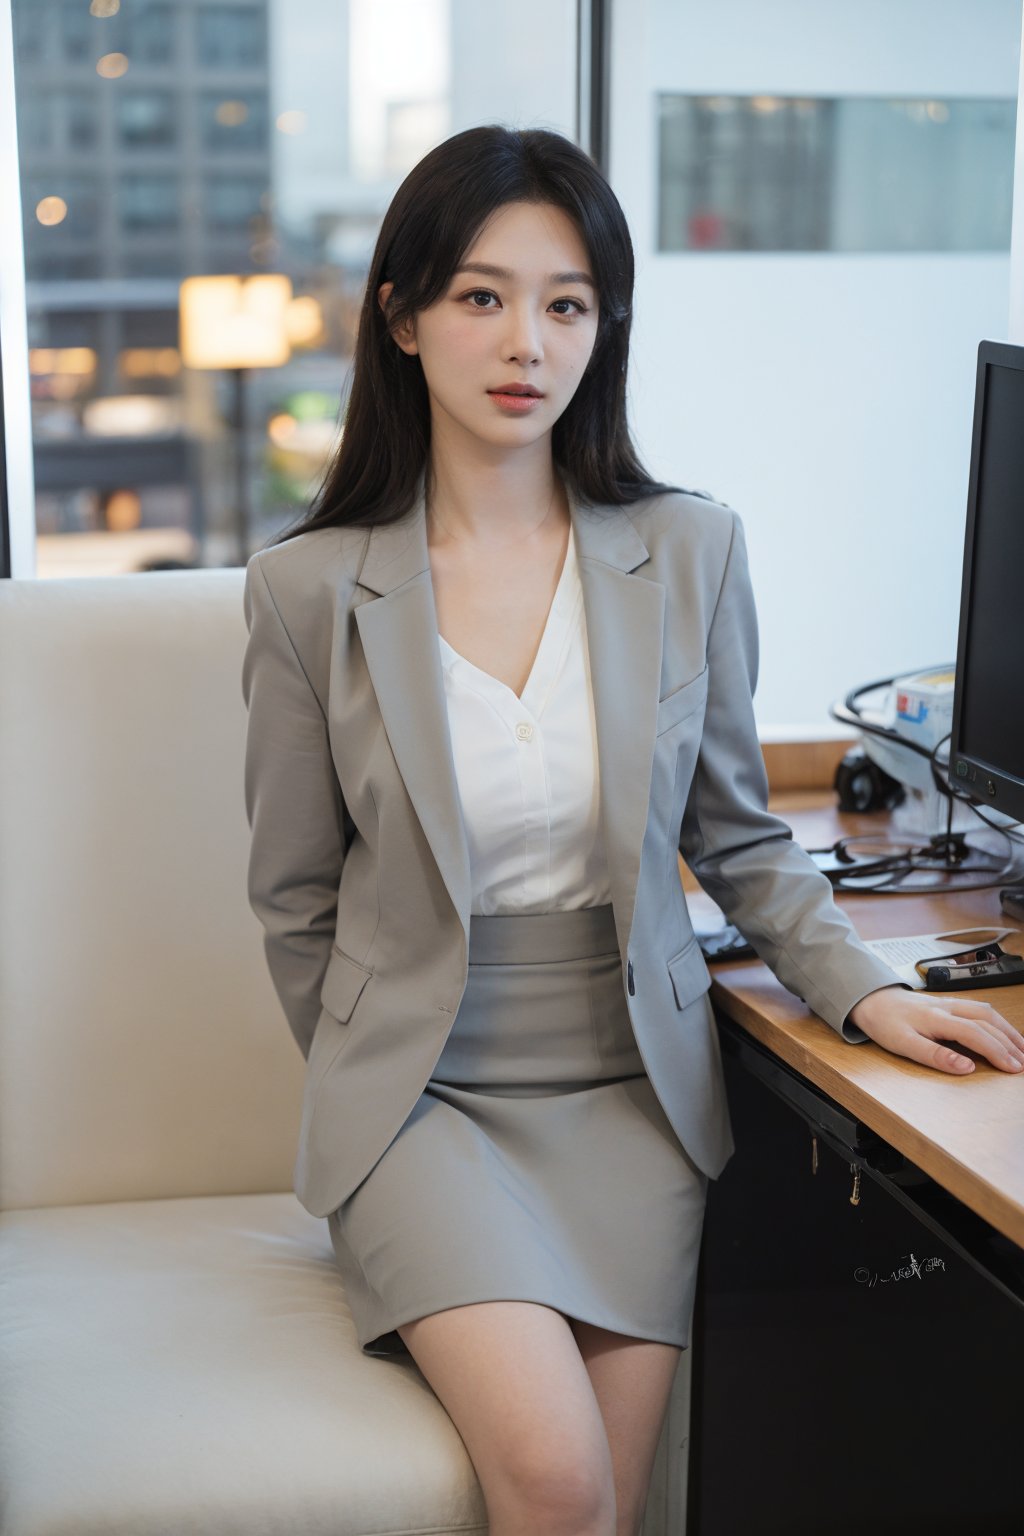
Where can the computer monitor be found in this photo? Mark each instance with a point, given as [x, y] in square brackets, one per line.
[986, 755]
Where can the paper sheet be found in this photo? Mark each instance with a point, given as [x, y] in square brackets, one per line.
[901, 953]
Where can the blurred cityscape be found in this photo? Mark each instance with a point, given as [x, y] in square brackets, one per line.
[161, 140]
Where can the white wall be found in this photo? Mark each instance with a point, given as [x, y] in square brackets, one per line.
[514, 64]
[827, 397]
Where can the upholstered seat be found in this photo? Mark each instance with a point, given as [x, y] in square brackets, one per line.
[176, 1353]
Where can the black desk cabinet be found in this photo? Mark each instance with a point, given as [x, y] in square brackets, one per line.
[857, 1369]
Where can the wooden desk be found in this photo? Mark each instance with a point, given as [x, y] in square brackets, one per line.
[965, 1132]
[859, 1317]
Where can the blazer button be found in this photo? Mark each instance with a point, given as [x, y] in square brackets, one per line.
[629, 978]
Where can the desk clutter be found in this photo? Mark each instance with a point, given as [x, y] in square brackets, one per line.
[951, 861]
[965, 958]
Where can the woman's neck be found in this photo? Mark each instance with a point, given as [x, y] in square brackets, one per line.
[511, 504]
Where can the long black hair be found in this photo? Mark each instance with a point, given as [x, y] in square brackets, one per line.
[432, 221]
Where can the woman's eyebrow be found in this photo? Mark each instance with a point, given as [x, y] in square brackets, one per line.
[486, 270]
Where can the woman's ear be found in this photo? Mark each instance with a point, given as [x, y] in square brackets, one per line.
[404, 335]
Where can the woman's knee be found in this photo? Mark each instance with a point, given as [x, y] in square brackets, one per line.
[512, 1379]
[568, 1488]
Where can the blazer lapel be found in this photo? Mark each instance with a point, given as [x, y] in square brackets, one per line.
[398, 631]
[624, 617]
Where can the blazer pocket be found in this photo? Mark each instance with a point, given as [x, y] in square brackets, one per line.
[343, 982]
[681, 702]
[690, 975]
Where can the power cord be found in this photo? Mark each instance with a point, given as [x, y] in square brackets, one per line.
[950, 848]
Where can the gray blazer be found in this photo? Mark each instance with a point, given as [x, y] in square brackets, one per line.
[359, 868]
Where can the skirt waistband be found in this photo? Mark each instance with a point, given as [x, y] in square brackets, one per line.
[529, 937]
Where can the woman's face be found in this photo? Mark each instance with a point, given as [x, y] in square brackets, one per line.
[529, 318]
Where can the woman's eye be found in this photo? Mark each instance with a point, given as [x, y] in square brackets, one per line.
[481, 298]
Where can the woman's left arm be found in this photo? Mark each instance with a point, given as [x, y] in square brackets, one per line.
[767, 885]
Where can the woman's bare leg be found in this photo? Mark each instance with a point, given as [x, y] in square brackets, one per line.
[511, 1378]
[632, 1380]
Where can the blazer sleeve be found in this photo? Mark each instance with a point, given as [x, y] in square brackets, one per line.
[295, 811]
[744, 855]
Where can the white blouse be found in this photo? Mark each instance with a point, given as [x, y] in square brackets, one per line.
[527, 769]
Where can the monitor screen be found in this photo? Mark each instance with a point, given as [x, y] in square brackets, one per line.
[987, 747]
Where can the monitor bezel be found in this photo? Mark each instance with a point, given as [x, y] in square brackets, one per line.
[986, 784]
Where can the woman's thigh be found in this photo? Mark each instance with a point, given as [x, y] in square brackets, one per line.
[632, 1380]
[511, 1378]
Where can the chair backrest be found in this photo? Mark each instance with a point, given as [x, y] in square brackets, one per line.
[143, 1053]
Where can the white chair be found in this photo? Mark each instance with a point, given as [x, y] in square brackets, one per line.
[176, 1353]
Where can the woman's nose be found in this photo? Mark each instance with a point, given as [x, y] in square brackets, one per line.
[522, 339]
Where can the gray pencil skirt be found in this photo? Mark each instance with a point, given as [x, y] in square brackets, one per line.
[537, 1164]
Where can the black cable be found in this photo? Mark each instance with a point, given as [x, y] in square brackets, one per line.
[883, 730]
[944, 786]
[951, 846]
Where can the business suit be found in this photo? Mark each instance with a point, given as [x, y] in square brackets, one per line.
[359, 868]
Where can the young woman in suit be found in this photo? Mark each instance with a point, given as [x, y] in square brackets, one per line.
[512, 1138]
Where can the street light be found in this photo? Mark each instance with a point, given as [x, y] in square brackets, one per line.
[236, 323]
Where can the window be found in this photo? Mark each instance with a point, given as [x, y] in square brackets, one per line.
[148, 201]
[81, 112]
[79, 37]
[785, 173]
[31, 26]
[36, 128]
[228, 146]
[231, 36]
[149, 32]
[230, 202]
[147, 120]
[234, 123]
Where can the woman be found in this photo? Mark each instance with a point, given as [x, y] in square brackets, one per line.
[496, 680]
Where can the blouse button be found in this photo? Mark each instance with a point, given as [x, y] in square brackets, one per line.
[524, 730]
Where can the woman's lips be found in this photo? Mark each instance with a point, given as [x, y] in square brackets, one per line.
[519, 403]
